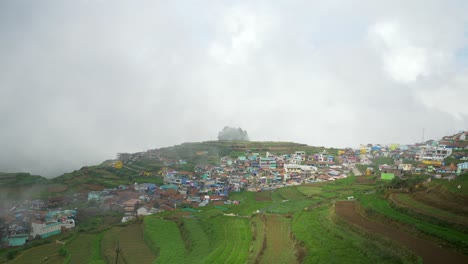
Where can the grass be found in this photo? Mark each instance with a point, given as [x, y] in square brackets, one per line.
[257, 246]
[231, 237]
[89, 243]
[308, 190]
[290, 193]
[163, 237]
[408, 201]
[452, 186]
[130, 240]
[328, 242]
[374, 204]
[280, 246]
[49, 251]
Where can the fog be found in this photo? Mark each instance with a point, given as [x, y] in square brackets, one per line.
[83, 80]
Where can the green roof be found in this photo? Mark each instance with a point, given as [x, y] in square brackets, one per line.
[387, 176]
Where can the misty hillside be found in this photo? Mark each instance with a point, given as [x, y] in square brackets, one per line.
[137, 167]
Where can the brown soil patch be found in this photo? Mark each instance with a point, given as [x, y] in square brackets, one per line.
[431, 253]
[93, 187]
[455, 220]
[263, 196]
[57, 188]
[443, 200]
[365, 180]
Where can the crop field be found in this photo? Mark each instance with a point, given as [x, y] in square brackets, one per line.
[84, 242]
[430, 252]
[38, 254]
[328, 242]
[309, 190]
[231, 237]
[457, 239]
[263, 196]
[408, 201]
[279, 247]
[130, 240]
[297, 224]
[290, 193]
[222, 239]
[257, 246]
[163, 237]
[444, 200]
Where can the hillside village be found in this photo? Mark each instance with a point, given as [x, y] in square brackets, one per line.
[212, 184]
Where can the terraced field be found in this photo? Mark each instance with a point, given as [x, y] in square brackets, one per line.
[47, 252]
[279, 247]
[295, 224]
[232, 240]
[430, 252]
[456, 239]
[407, 200]
[163, 237]
[89, 243]
[444, 200]
[131, 242]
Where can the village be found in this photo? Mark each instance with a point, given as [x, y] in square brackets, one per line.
[211, 184]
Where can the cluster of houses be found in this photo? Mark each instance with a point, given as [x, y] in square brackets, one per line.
[25, 222]
[429, 157]
[212, 183]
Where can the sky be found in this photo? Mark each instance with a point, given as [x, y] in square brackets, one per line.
[83, 80]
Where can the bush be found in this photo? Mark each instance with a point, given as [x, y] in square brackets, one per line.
[63, 252]
[12, 254]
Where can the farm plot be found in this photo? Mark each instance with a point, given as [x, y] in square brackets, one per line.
[131, 242]
[39, 254]
[196, 240]
[164, 238]
[278, 247]
[443, 200]
[327, 242]
[89, 243]
[257, 246]
[263, 196]
[309, 190]
[430, 252]
[457, 239]
[230, 238]
[406, 200]
[290, 193]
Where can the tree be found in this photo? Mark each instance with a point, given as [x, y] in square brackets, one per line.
[231, 133]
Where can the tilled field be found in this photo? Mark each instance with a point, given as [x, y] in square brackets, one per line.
[431, 253]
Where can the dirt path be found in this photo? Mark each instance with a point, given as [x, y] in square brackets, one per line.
[430, 252]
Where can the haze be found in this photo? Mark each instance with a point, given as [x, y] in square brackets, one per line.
[83, 80]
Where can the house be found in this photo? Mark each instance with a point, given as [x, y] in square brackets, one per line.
[18, 240]
[44, 230]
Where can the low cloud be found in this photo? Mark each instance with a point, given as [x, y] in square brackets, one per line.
[82, 81]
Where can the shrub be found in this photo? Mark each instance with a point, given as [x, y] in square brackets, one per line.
[63, 251]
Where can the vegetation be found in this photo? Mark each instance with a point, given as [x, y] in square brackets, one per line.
[374, 204]
[295, 224]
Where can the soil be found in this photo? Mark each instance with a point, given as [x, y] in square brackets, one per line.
[260, 197]
[430, 252]
[58, 188]
[276, 247]
[460, 221]
[444, 201]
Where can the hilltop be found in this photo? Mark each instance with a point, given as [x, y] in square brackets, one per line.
[249, 202]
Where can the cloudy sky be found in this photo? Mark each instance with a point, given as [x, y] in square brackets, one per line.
[83, 80]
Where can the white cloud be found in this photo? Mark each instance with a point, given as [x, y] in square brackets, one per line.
[239, 35]
[81, 82]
